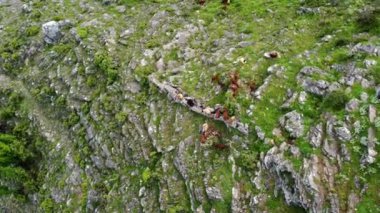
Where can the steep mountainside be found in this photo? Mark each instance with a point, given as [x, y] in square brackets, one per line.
[189, 106]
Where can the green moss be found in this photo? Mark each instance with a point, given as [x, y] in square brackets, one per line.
[153, 43]
[247, 159]
[107, 65]
[47, 205]
[375, 72]
[61, 49]
[82, 32]
[368, 18]
[146, 175]
[336, 100]
[121, 117]
[32, 31]
[91, 81]
[142, 73]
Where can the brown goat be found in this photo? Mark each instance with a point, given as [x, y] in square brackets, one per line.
[252, 86]
[220, 146]
[234, 82]
[225, 114]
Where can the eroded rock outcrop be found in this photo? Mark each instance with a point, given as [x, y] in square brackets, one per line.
[292, 122]
[175, 94]
[51, 32]
[304, 188]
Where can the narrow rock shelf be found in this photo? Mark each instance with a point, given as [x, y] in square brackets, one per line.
[178, 96]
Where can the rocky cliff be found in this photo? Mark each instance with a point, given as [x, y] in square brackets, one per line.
[190, 106]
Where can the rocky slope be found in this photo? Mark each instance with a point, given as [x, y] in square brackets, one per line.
[185, 106]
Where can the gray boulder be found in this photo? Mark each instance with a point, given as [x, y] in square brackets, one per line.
[307, 10]
[292, 122]
[343, 133]
[352, 105]
[366, 48]
[316, 135]
[51, 32]
[214, 193]
[319, 87]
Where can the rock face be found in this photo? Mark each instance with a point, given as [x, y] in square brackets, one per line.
[214, 193]
[318, 87]
[352, 105]
[292, 122]
[316, 135]
[370, 156]
[366, 48]
[136, 111]
[51, 32]
[305, 189]
[343, 133]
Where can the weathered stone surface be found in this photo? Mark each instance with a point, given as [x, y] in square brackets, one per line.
[368, 63]
[302, 97]
[308, 10]
[260, 133]
[318, 87]
[214, 193]
[51, 32]
[366, 48]
[352, 105]
[297, 188]
[292, 122]
[292, 97]
[180, 159]
[330, 147]
[344, 152]
[316, 135]
[343, 133]
[353, 200]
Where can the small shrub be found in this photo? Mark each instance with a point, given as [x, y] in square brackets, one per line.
[82, 32]
[142, 73]
[72, 120]
[340, 55]
[121, 117]
[36, 14]
[47, 205]
[153, 43]
[85, 108]
[336, 100]
[146, 175]
[368, 19]
[58, 18]
[61, 48]
[109, 67]
[61, 101]
[91, 81]
[375, 73]
[248, 159]
[32, 30]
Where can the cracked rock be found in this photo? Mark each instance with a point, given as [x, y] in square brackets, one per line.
[292, 122]
[352, 105]
[214, 193]
[316, 135]
[51, 32]
[343, 133]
